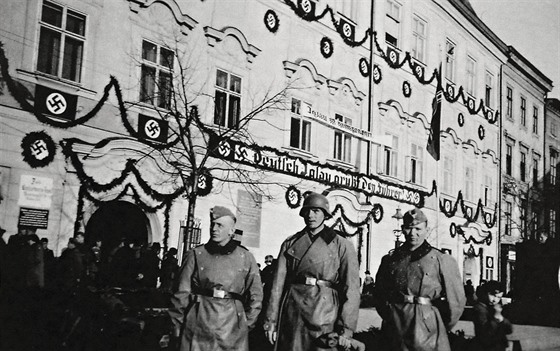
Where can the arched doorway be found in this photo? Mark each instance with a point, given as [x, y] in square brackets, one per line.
[114, 221]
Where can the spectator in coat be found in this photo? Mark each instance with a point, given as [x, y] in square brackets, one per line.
[490, 326]
[316, 285]
[410, 285]
[169, 270]
[469, 293]
[50, 264]
[71, 266]
[16, 257]
[220, 292]
[34, 263]
[149, 266]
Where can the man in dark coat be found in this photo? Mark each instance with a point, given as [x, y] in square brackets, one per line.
[411, 282]
[220, 291]
[316, 286]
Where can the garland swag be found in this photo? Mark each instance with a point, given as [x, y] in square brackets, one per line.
[449, 211]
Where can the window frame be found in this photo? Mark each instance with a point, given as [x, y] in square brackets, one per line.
[450, 58]
[509, 159]
[535, 120]
[509, 103]
[448, 171]
[523, 165]
[523, 110]
[157, 98]
[390, 16]
[415, 162]
[553, 174]
[488, 88]
[65, 35]
[389, 158]
[471, 75]
[229, 94]
[469, 182]
[418, 37]
[303, 138]
[508, 213]
[342, 144]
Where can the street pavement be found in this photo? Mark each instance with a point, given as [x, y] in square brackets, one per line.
[531, 338]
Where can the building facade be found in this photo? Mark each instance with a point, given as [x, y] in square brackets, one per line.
[336, 97]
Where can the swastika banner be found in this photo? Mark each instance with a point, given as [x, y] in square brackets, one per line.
[55, 103]
[150, 128]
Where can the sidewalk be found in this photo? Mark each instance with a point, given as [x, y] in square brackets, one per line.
[531, 338]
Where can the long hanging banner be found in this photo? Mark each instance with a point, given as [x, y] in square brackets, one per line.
[273, 160]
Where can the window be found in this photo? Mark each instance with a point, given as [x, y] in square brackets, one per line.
[509, 209]
[389, 157]
[509, 103]
[392, 23]
[523, 111]
[155, 80]
[300, 128]
[450, 60]
[416, 164]
[535, 171]
[227, 100]
[509, 152]
[469, 183]
[448, 178]
[553, 129]
[552, 223]
[419, 39]
[342, 142]
[553, 166]
[489, 83]
[488, 200]
[471, 75]
[61, 42]
[535, 219]
[522, 165]
[523, 216]
[489, 274]
[535, 120]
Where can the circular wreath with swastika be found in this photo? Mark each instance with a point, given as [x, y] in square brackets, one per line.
[406, 89]
[481, 132]
[293, 197]
[377, 212]
[38, 149]
[363, 65]
[461, 119]
[326, 47]
[377, 76]
[204, 185]
[271, 21]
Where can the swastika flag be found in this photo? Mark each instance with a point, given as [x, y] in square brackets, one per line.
[151, 128]
[55, 103]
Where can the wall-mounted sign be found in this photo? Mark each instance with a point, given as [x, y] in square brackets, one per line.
[35, 192]
[314, 113]
[249, 209]
[34, 218]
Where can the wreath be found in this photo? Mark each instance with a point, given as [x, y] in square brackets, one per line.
[461, 120]
[271, 21]
[377, 76]
[363, 66]
[205, 180]
[377, 213]
[481, 132]
[406, 89]
[38, 149]
[326, 47]
[293, 197]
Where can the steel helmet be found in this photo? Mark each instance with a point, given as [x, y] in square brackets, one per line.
[315, 200]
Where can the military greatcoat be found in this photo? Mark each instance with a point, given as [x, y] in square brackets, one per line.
[302, 313]
[216, 323]
[424, 273]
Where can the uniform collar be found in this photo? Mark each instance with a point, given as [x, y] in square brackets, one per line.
[415, 255]
[327, 234]
[214, 248]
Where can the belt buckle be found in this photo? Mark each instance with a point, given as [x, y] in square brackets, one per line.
[408, 298]
[310, 281]
[217, 293]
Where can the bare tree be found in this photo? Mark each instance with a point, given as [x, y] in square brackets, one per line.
[175, 93]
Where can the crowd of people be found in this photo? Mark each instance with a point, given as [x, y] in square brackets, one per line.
[307, 298]
[28, 262]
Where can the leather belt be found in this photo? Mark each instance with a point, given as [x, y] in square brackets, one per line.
[417, 300]
[313, 281]
[218, 294]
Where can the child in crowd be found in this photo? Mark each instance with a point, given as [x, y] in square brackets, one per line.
[490, 326]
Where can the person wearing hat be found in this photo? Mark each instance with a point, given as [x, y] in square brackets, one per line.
[316, 287]
[219, 293]
[419, 292]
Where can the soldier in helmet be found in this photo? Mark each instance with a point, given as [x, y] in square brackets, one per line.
[316, 288]
[419, 293]
[220, 293]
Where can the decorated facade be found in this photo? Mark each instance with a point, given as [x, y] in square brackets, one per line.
[276, 98]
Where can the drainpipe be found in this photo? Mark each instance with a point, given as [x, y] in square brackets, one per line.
[499, 210]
